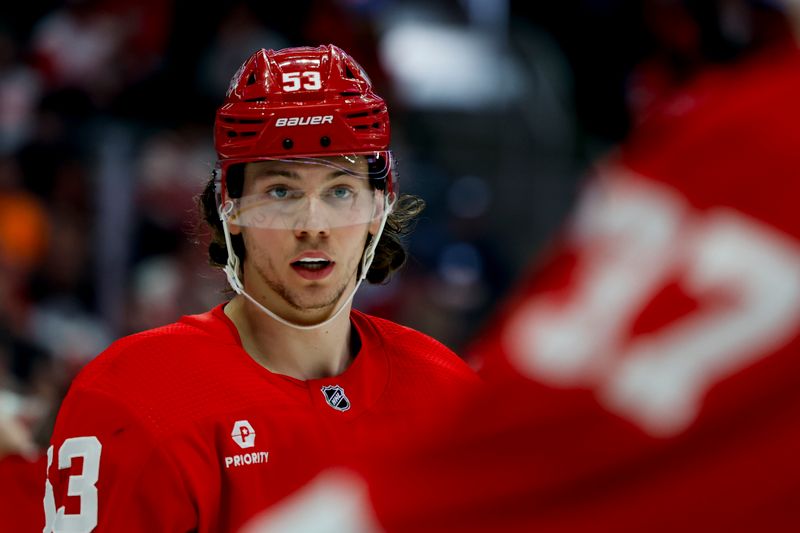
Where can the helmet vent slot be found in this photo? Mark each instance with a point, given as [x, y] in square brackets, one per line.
[250, 121]
[251, 79]
[349, 73]
[358, 115]
[259, 99]
[248, 133]
[350, 93]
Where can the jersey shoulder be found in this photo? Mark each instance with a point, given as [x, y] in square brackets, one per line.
[147, 353]
[168, 375]
[408, 348]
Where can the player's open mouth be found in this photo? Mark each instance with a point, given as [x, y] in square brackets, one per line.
[313, 268]
[311, 264]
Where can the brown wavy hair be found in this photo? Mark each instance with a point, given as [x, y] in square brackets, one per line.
[390, 254]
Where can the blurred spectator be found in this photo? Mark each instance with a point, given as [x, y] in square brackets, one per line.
[24, 228]
[20, 89]
[100, 46]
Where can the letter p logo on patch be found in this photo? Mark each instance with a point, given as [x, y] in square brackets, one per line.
[243, 434]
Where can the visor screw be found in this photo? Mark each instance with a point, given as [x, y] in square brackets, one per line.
[325, 141]
[288, 143]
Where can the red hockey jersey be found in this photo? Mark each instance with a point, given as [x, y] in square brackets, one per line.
[647, 376]
[21, 479]
[178, 429]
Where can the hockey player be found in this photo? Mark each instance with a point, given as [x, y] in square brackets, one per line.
[197, 425]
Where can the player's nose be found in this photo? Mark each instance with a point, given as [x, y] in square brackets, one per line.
[313, 219]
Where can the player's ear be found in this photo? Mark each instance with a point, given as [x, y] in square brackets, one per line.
[234, 228]
[374, 225]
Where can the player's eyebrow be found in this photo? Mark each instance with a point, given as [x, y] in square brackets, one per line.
[272, 173]
[292, 175]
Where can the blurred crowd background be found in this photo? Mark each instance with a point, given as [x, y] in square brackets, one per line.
[498, 107]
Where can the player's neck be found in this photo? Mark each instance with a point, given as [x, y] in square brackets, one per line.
[281, 349]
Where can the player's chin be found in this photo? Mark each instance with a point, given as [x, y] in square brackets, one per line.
[316, 297]
[314, 312]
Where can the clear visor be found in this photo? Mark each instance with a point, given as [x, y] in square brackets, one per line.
[311, 192]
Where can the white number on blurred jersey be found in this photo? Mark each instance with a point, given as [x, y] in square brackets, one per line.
[81, 485]
[633, 237]
[336, 500]
[309, 80]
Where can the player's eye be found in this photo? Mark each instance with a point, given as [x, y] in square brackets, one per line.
[278, 192]
[341, 192]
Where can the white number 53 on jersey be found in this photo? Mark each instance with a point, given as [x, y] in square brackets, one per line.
[82, 486]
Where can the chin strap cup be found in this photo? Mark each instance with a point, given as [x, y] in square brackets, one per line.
[232, 267]
[233, 277]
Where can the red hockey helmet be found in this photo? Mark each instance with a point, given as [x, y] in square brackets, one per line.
[303, 103]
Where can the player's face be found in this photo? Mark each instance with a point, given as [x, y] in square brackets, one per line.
[305, 226]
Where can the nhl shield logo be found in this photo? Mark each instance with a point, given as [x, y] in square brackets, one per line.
[336, 397]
